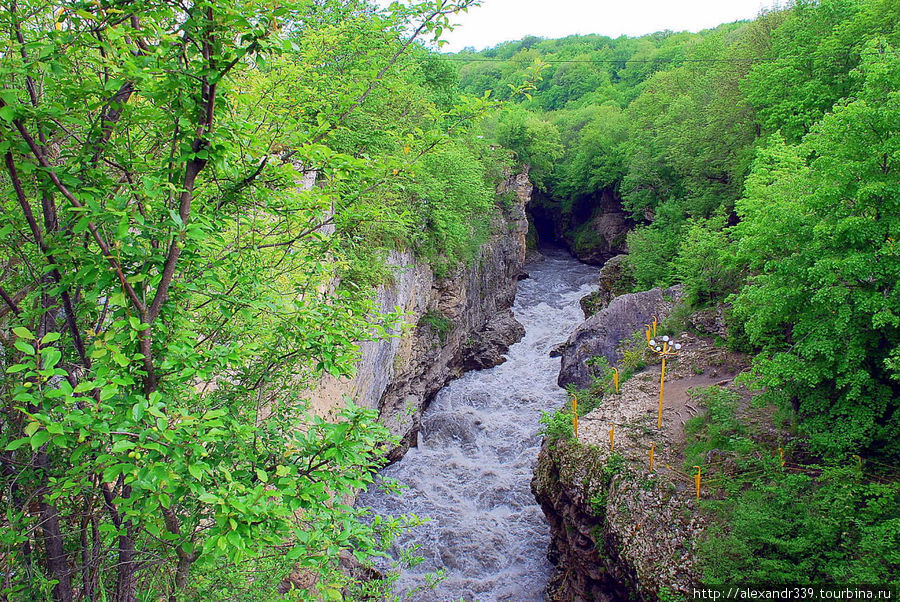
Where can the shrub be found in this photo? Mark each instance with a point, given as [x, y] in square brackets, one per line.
[717, 429]
[784, 527]
[438, 323]
[650, 252]
[557, 425]
[703, 263]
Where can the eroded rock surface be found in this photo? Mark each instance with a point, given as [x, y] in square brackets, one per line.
[614, 280]
[455, 323]
[619, 530]
[600, 334]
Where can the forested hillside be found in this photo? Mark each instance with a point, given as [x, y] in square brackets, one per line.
[760, 163]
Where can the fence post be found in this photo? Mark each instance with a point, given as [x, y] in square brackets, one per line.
[697, 481]
[575, 415]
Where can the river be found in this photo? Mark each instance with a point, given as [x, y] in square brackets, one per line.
[471, 472]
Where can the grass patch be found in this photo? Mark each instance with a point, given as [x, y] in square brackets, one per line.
[717, 429]
[438, 323]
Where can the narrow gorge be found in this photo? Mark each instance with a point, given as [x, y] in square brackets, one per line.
[476, 452]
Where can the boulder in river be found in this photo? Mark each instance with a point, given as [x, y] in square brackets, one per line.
[600, 334]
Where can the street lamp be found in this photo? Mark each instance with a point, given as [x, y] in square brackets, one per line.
[665, 348]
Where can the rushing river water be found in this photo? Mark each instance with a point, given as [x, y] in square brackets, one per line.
[472, 470]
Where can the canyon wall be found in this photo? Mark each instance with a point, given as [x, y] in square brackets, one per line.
[454, 323]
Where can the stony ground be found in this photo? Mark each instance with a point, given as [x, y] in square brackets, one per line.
[643, 524]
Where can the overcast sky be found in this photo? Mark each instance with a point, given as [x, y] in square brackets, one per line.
[502, 20]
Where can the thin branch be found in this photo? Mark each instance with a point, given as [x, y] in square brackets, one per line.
[42, 245]
[95, 232]
[441, 10]
[9, 301]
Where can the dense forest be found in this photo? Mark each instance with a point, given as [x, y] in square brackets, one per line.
[759, 161]
[199, 199]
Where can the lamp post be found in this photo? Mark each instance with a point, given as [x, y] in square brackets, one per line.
[665, 348]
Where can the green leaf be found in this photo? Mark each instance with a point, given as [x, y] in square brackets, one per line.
[196, 471]
[40, 438]
[14, 445]
[210, 414]
[51, 356]
[24, 347]
[261, 474]
[50, 337]
[7, 113]
[111, 472]
[123, 445]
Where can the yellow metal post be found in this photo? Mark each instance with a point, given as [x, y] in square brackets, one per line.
[697, 481]
[662, 380]
[664, 349]
[616, 379]
[612, 436]
[652, 445]
[575, 415]
[781, 453]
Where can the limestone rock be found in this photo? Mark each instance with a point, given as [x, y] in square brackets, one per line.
[601, 235]
[485, 349]
[600, 334]
[618, 530]
[614, 280]
[709, 321]
[455, 323]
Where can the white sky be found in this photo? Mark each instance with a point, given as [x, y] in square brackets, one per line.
[502, 20]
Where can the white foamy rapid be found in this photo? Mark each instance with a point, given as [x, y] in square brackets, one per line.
[471, 472]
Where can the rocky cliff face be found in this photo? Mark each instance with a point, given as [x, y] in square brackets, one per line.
[621, 530]
[614, 279]
[456, 323]
[600, 334]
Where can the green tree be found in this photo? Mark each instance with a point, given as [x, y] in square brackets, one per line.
[817, 232]
[535, 141]
[171, 287]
